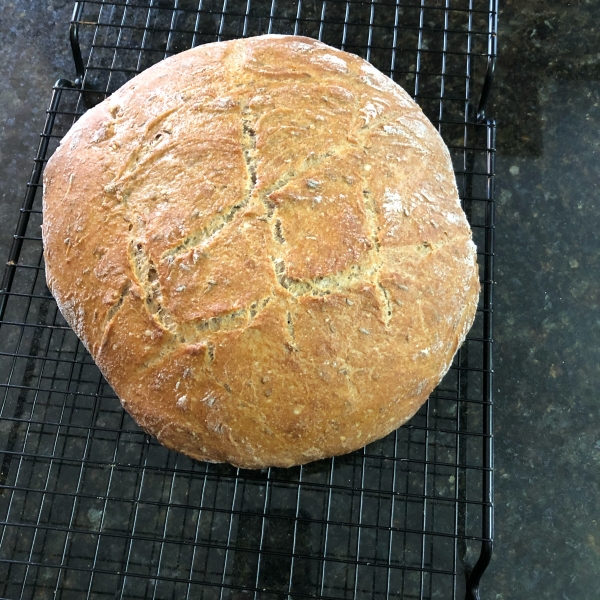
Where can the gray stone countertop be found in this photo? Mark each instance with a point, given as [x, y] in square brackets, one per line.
[547, 326]
[547, 353]
[34, 53]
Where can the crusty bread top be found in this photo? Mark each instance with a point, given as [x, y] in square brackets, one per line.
[261, 244]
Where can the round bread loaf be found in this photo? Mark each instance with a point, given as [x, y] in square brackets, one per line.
[261, 244]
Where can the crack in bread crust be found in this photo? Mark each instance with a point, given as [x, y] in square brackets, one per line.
[249, 146]
[116, 307]
[342, 281]
[143, 153]
[147, 278]
[201, 332]
[384, 305]
[209, 232]
[219, 222]
[188, 332]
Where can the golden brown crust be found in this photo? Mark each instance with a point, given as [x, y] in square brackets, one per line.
[261, 244]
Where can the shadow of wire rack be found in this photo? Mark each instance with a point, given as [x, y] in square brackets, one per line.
[91, 507]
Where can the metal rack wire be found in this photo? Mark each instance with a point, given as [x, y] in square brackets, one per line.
[92, 507]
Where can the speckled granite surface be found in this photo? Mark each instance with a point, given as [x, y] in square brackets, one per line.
[547, 327]
[34, 53]
[547, 103]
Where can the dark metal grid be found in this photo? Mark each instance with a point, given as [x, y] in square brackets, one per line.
[91, 507]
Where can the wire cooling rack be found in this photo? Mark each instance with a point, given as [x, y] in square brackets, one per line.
[91, 507]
